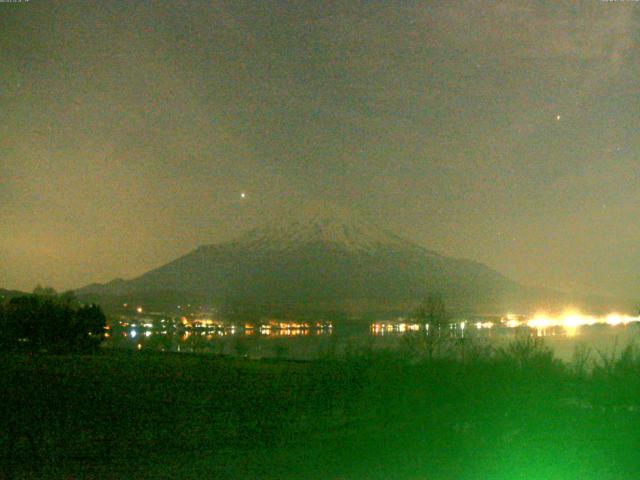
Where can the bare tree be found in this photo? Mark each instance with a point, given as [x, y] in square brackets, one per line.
[429, 341]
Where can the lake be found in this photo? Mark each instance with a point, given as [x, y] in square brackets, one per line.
[303, 342]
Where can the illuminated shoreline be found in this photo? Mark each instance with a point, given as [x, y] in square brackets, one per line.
[570, 321]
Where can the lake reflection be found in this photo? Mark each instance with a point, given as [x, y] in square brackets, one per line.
[311, 341]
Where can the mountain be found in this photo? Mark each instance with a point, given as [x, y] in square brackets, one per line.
[322, 259]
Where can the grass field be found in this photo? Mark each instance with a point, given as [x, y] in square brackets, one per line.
[514, 414]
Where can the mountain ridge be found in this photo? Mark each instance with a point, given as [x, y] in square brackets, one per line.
[319, 255]
[323, 258]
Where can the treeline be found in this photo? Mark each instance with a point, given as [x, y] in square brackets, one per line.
[49, 322]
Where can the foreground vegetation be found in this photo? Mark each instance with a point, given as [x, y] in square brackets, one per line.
[505, 414]
[52, 323]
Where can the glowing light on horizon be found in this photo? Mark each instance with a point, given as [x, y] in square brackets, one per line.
[617, 319]
[571, 320]
[541, 321]
[481, 325]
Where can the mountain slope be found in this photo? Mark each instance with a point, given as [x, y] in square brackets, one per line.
[321, 258]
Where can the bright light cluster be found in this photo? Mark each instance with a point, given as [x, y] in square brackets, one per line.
[571, 320]
[617, 319]
[481, 325]
[382, 328]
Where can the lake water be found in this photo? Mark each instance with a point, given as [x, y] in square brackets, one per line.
[315, 342]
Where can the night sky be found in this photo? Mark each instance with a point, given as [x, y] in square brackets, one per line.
[504, 132]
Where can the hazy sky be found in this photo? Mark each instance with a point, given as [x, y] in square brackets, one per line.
[505, 132]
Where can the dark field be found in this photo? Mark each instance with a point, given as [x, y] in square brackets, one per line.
[510, 414]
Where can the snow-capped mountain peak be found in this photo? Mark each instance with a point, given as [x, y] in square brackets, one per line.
[321, 223]
[320, 258]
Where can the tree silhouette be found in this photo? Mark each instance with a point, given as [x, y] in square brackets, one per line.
[433, 311]
[430, 340]
[44, 291]
[50, 323]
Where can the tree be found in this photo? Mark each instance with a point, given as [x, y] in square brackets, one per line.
[429, 341]
[4, 325]
[69, 298]
[44, 291]
[47, 323]
[89, 328]
[433, 311]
